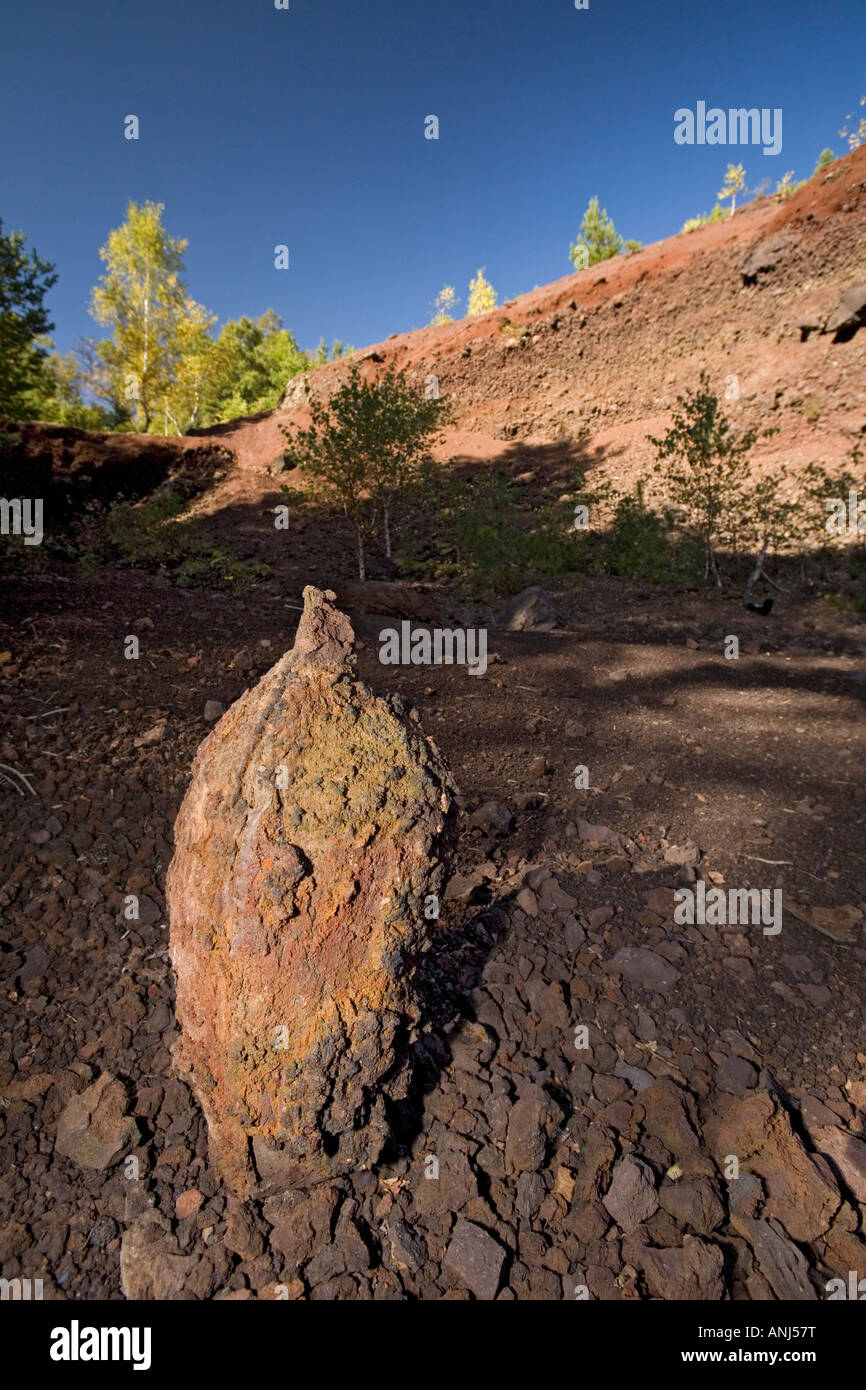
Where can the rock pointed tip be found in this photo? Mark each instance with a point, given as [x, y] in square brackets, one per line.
[325, 636]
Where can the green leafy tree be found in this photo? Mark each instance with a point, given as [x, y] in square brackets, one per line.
[482, 296]
[704, 467]
[59, 394]
[185, 396]
[361, 446]
[252, 362]
[407, 422]
[766, 520]
[25, 279]
[142, 298]
[598, 239]
[825, 159]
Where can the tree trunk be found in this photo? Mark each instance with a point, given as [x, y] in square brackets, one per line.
[756, 573]
[145, 360]
[387, 531]
[711, 567]
[362, 569]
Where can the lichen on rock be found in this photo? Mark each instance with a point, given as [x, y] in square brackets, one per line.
[311, 838]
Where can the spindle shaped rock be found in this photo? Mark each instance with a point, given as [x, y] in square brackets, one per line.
[309, 843]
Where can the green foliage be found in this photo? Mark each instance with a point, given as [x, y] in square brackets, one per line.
[825, 159]
[321, 354]
[642, 544]
[151, 535]
[479, 533]
[704, 467]
[58, 393]
[143, 300]
[786, 188]
[822, 492]
[466, 530]
[25, 279]
[598, 239]
[252, 362]
[717, 215]
[162, 367]
[361, 447]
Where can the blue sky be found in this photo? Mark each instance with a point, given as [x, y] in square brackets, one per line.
[306, 127]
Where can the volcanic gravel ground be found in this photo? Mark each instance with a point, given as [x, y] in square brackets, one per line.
[589, 1068]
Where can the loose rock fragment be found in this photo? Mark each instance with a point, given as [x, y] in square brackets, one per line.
[94, 1128]
[307, 847]
[529, 1125]
[801, 1191]
[476, 1258]
[531, 611]
[782, 1264]
[641, 966]
[632, 1197]
[151, 1264]
[693, 1270]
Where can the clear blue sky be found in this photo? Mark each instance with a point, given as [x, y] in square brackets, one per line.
[306, 127]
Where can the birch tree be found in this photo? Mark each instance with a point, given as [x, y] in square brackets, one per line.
[142, 299]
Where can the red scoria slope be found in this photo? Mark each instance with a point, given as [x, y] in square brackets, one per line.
[600, 356]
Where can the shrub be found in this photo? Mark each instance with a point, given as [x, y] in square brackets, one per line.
[704, 467]
[362, 446]
[151, 536]
[717, 215]
[598, 239]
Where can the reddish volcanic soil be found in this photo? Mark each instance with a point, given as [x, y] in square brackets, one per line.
[600, 1168]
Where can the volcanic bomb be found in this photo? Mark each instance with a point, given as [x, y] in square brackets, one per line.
[310, 852]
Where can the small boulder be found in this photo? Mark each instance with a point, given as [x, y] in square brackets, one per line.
[314, 830]
[531, 611]
[849, 313]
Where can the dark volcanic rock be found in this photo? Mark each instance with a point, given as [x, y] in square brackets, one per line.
[306, 847]
[476, 1259]
[631, 1197]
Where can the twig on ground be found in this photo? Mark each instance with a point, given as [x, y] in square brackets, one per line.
[758, 860]
[4, 767]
